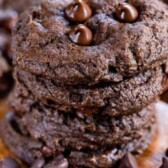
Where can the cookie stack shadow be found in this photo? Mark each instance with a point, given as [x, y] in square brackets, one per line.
[88, 106]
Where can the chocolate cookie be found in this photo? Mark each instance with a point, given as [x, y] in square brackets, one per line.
[85, 141]
[123, 98]
[87, 76]
[46, 44]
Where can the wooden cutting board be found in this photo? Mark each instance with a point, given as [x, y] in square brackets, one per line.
[152, 157]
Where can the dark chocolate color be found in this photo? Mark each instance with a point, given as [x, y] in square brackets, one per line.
[78, 11]
[124, 98]
[126, 13]
[42, 45]
[128, 161]
[165, 163]
[81, 35]
[88, 141]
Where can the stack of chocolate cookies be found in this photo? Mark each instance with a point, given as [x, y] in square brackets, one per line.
[88, 75]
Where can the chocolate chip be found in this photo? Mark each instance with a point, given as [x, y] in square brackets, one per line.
[128, 161]
[8, 162]
[79, 11]
[165, 163]
[59, 162]
[81, 35]
[126, 13]
[39, 163]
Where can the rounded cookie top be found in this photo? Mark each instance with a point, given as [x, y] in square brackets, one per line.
[106, 46]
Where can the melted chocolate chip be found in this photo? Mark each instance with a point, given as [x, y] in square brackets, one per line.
[126, 13]
[81, 35]
[165, 163]
[79, 11]
[8, 162]
[128, 161]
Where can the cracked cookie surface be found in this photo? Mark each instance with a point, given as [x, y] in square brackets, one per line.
[127, 97]
[88, 141]
[119, 50]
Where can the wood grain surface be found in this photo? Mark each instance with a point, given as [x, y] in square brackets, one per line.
[152, 157]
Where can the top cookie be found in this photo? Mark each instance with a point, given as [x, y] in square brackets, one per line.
[45, 43]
